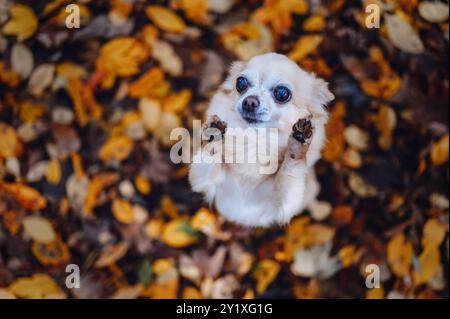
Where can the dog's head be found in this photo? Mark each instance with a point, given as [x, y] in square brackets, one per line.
[270, 90]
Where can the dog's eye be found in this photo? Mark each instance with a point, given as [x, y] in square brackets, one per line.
[282, 94]
[241, 84]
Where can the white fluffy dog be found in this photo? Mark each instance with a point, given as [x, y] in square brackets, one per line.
[268, 91]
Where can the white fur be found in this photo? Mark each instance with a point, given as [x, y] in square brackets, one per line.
[238, 191]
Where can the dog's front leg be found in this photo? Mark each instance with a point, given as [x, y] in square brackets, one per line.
[206, 171]
[289, 186]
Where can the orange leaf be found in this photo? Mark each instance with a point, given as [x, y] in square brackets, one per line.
[10, 145]
[439, 151]
[399, 254]
[26, 196]
[116, 147]
[165, 19]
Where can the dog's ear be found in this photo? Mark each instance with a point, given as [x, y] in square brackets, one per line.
[235, 68]
[321, 96]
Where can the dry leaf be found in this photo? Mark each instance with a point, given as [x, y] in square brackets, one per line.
[179, 233]
[439, 151]
[22, 60]
[150, 85]
[23, 23]
[39, 229]
[116, 148]
[123, 211]
[279, 13]
[385, 122]
[304, 46]
[37, 286]
[164, 53]
[53, 172]
[111, 254]
[54, 253]
[320, 210]
[265, 272]
[402, 34]
[120, 57]
[247, 39]
[360, 187]
[434, 11]
[165, 19]
[315, 262]
[399, 254]
[41, 79]
[10, 145]
[335, 133]
[428, 265]
[177, 102]
[26, 196]
[434, 233]
[356, 138]
[314, 23]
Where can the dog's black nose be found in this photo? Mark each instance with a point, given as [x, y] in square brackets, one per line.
[250, 104]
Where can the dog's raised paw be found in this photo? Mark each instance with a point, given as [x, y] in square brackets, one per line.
[217, 123]
[303, 130]
[215, 129]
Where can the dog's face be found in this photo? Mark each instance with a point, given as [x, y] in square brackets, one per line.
[270, 90]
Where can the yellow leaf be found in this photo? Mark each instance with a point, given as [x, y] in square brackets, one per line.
[120, 57]
[151, 85]
[434, 233]
[10, 145]
[53, 172]
[196, 10]
[154, 228]
[335, 134]
[37, 286]
[86, 107]
[69, 70]
[54, 253]
[306, 45]
[347, 255]
[39, 229]
[123, 211]
[151, 113]
[399, 254]
[314, 23]
[26, 196]
[279, 13]
[9, 77]
[23, 22]
[190, 293]
[30, 111]
[143, 185]
[429, 262]
[116, 147]
[375, 293]
[165, 19]
[95, 187]
[177, 102]
[169, 207]
[203, 220]
[111, 254]
[439, 151]
[385, 121]
[178, 233]
[265, 272]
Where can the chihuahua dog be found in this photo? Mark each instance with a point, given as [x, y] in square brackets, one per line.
[269, 91]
